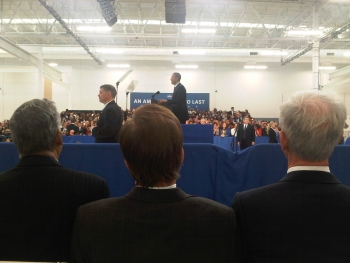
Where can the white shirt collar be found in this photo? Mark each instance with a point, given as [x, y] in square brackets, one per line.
[309, 168]
[161, 187]
[107, 103]
[176, 84]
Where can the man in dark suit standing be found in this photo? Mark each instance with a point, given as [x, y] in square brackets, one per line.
[305, 216]
[110, 121]
[272, 134]
[245, 134]
[73, 127]
[178, 101]
[38, 197]
[155, 221]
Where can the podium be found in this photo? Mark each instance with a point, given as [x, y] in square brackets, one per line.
[166, 105]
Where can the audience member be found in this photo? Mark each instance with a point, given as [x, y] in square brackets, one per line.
[245, 134]
[305, 216]
[38, 197]
[272, 133]
[155, 221]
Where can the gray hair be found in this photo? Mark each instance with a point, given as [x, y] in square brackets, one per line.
[34, 126]
[313, 123]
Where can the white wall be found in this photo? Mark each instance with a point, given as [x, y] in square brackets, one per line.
[261, 92]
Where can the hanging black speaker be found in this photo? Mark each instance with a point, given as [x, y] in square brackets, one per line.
[175, 11]
[108, 12]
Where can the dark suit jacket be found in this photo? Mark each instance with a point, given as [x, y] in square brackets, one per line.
[150, 225]
[109, 124]
[303, 218]
[178, 103]
[38, 203]
[272, 136]
[73, 127]
[250, 134]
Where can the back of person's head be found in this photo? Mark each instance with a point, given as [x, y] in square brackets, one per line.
[313, 124]
[109, 88]
[34, 126]
[151, 142]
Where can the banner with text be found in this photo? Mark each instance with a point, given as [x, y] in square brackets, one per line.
[194, 100]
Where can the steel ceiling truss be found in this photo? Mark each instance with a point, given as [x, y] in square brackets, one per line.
[227, 17]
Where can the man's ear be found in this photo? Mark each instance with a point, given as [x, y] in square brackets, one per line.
[284, 142]
[58, 143]
[58, 138]
[182, 155]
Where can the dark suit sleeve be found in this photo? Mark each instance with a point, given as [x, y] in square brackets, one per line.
[109, 128]
[104, 193]
[76, 248]
[236, 205]
[272, 135]
[253, 133]
[236, 250]
[180, 96]
[239, 133]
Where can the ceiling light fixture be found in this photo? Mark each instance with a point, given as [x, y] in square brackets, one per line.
[53, 64]
[186, 66]
[347, 54]
[191, 52]
[273, 53]
[118, 66]
[255, 67]
[328, 67]
[109, 50]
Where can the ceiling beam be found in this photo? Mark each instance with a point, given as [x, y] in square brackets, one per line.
[65, 26]
[340, 72]
[27, 57]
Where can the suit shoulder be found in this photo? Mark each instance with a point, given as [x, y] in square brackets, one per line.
[79, 174]
[103, 205]
[207, 203]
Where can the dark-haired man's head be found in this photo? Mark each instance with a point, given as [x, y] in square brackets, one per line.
[107, 93]
[151, 142]
[175, 78]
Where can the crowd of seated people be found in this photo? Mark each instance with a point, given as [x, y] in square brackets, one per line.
[5, 133]
[225, 123]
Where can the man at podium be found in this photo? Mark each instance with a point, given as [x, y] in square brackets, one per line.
[178, 102]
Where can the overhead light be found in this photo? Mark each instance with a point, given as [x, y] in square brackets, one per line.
[255, 67]
[53, 64]
[93, 28]
[327, 67]
[191, 52]
[304, 32]
[186, 66]
[118, 66]
[109, 50]
[273, 53]
[347, 54]
[203, 31]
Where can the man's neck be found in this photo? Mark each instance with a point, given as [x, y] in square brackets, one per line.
[296, 161]
[45, 153]
[109, 101]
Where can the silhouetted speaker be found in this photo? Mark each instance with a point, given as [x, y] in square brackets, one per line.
[107, 11]
[175, 11]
